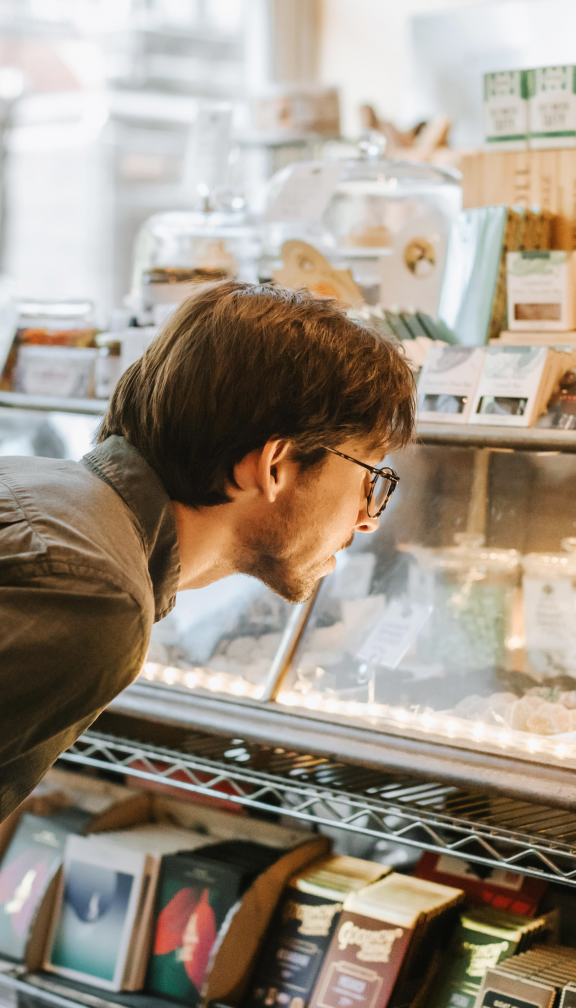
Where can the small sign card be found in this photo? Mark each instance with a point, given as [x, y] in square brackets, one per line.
[394, 633]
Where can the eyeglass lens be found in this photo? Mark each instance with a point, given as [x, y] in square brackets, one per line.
[380, 494]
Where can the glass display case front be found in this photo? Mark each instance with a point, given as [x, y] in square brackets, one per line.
[454, 622]
[225, 638]
[457, 618]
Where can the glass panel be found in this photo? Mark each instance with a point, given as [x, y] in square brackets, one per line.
[457, 618]
[223, 638]
[47, 434]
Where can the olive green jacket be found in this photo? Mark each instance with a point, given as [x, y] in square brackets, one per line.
[88, 562]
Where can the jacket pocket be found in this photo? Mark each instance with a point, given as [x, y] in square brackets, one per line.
[19, 540]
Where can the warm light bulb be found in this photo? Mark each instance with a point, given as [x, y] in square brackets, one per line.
[169, 675]
[215, 683]
[238, 687]
[190, 679]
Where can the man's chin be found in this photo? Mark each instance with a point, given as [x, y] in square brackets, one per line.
[296, 589]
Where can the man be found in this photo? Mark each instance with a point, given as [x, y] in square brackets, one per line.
[242, 441]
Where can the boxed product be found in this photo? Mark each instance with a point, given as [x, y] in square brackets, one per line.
[28, 878]
[544, 977]
[508, 991]
[62, 371]
[155, 840]
[483, 938]
[196, 893]
[448, 381]
[302, 928]
[552, 98]
[386, 939]
[212, 912]
[506, 890]
[541, 291]
[506, 110]
[516, 384]
[100, 913]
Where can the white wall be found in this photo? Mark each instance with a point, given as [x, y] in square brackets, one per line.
[365, 50]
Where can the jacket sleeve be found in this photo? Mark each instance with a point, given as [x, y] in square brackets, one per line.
[67, 648]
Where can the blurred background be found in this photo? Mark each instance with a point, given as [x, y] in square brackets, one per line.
[101, 99]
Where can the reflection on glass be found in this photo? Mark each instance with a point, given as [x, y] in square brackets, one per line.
[456, 618]
[223, 637]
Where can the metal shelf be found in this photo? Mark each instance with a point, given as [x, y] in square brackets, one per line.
[51, 404]
[465, 435]
[486, 828]
[21, 989]
[485, 436]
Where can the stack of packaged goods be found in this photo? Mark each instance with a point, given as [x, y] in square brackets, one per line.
[110, 889]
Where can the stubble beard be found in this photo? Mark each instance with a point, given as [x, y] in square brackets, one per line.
[267, 558]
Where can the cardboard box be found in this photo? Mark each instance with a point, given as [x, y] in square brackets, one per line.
[552, 92]
[506, 110]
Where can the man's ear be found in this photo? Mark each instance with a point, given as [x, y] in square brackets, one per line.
[266, 470]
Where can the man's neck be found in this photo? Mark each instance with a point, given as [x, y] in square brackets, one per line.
[205, 542]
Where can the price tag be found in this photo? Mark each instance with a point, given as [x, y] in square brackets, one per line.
[305, 194]
[394, 633]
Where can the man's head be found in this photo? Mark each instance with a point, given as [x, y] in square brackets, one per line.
[234, 405]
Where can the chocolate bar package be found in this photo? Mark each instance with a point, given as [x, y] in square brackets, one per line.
[302, 928]
[386, 937]
[568, 999]
[504, 990]
[483, 938]
[27, 871]
[506, 890]
[99, 913]
[196, 894]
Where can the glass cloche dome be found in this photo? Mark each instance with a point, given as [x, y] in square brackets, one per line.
[387, 221]
[176, 250]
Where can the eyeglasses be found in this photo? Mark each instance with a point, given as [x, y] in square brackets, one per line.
[382, 485]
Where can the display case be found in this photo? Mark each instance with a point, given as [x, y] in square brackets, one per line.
[441, 643]
[453, 624]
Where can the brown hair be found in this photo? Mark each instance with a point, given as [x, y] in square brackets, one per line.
[237, 364]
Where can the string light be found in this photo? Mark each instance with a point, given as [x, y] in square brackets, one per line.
[426, 722]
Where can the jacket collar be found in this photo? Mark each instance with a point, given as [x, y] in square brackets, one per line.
[119, 464]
